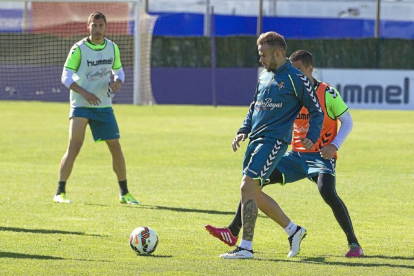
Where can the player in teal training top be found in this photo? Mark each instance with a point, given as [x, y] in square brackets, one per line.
[282, 91]
[87, 73]
[317, 164]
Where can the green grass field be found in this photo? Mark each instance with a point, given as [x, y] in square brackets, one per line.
[183, 171]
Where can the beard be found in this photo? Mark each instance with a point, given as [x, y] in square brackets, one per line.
[272, 65]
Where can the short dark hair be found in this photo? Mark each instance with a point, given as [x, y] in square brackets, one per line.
[96, 15]
[301, 55]
[273, 39]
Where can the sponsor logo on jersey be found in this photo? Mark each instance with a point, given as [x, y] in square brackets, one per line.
[281, 85]
[302, 116]
[99, 62]
[267, 104]
[94, 75]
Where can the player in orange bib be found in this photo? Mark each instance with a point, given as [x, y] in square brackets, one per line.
[318, 164]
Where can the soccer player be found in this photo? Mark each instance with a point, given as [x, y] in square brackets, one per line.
[281, 92]
[87, 74]
[318, 164]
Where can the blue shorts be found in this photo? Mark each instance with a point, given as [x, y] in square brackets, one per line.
[261, 157]
[101, 121]
[295, 166]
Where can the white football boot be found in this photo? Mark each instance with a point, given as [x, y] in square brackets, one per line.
[61, 198]
[295, 241]
[238, 253]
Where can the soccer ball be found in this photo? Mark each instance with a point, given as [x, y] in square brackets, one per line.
[143, 240]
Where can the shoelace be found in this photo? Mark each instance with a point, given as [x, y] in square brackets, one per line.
[291, 237]
[290, 241]
[238, 249]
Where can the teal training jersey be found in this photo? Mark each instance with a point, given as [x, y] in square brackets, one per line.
[279, 97]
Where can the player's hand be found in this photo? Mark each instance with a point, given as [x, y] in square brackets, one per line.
[91, 98]
[237, 139]
[115, 86]
[307, 143]
[328, 152]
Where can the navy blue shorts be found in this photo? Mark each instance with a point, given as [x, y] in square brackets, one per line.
[101, 121]
[261, 157]
[295, 166]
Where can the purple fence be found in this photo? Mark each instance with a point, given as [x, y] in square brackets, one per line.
[234, 86]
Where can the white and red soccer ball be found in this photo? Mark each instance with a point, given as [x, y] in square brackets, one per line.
[143, 240]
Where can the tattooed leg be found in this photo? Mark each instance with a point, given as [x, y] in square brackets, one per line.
[250, 190]
[249, 219]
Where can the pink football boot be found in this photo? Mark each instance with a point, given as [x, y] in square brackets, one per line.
[354, 251]
[222, 234]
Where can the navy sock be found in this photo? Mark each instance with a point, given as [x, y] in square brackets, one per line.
[61, 187]
[236, 224]
[123, 189]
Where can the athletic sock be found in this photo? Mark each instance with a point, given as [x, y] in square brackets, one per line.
[123, 189]
[246, 244]
[291, 228]
[61, 187]
[234, 230]
[236, 224]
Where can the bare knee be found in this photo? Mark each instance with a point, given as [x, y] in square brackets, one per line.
[74, 147]
[249, 185]
[114, 145]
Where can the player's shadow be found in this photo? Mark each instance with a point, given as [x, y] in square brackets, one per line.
[46, 231]
[28, 256]
[321, 260]
[99, 205]
[13, 255]
[156, 256]
[188, 210]
[389, 257]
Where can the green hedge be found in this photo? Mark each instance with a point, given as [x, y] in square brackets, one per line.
[48, 49]
[242, 52]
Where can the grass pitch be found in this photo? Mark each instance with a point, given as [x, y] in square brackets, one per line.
[182, 169]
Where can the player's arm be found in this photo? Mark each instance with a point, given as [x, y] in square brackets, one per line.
[247, 123]
[338, 108]
[117, 71]
[346, 127]
[307, 97]
[244, 131]
[246, 127]
[71, 66]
